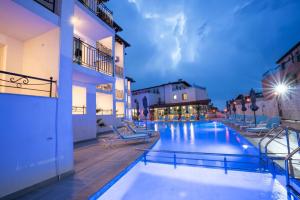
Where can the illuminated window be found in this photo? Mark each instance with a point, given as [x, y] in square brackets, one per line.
[184, 96]
[175, 97]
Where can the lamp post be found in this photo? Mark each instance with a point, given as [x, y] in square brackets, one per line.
[280, 90]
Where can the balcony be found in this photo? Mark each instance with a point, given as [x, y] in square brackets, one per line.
[23, 84]
[100, 10]
[78, 110]
[49, 4]
[104, 49]
[119, 94]
[101, 111]
[91, 57]
[119, 71]
[105, 87]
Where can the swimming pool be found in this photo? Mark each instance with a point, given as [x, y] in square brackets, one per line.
[155, 177]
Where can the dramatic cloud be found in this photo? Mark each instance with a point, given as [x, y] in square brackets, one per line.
[223, 45]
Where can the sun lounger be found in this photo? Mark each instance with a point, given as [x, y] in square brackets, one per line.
[149, 132]
[125, 137]
[262, 128]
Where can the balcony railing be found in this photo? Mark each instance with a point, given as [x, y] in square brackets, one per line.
[101, 111]
[119, 94]
[79, 110]
[91, 57]
[99, 9]
[119, 71]
[25, 82]
[104, 49]
[105, 87]
[49, 4]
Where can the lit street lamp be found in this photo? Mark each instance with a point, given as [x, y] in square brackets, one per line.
[280, 90]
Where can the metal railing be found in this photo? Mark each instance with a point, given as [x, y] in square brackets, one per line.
[100, 10]
[119, 94]
[49, 4]
[105, 87]
[91, 57]
[79, 110]
[119, 71]
[104, 49]
[282, 137]
[25, 82]
[241, 162]
[120, 115]
[104, 111]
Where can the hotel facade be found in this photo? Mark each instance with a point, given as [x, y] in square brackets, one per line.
[271, 104]
[171, 101]
[62, 81]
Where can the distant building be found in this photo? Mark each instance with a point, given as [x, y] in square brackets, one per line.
[287, 72]
[174, 99]
[286, 106]
[264, 107]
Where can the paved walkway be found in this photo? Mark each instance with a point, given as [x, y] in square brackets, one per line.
[95, 165]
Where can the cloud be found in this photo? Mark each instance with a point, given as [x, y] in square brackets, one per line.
[168, 33]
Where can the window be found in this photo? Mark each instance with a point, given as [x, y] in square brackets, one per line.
[184, 96]
[175, 97]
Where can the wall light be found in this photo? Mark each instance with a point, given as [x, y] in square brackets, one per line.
[75, 21]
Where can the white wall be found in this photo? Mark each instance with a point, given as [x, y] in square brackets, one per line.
[120, 84]
[14, 53]
[290, 104]
[37, 57]
[266, 107]
[41, 55]
[119, 52]
[78, 96]
[28, 141]
[104, 101]
[120, 108]
[84, 125]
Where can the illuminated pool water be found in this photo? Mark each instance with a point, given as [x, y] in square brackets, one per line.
[210, 137]
[164, 181]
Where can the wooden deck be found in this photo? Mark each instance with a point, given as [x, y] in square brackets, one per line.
[95, 165]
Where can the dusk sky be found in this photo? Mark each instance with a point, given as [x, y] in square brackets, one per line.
[225, 46]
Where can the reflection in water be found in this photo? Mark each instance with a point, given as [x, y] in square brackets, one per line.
[172, 132]
[178, 136]
[156, 127]
[227, 135]
[185, 132]
[192, 131]
[201, 137]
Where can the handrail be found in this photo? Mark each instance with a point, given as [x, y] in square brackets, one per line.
[198, 153]
[266, 135]
[86, 55]
[175, 159]
[21, 80]
[48, 4]
[100, 10]
[273, 138]
[79, 109]
[287, 169]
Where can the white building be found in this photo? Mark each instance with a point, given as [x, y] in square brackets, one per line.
[61, 70]
[172, 99]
